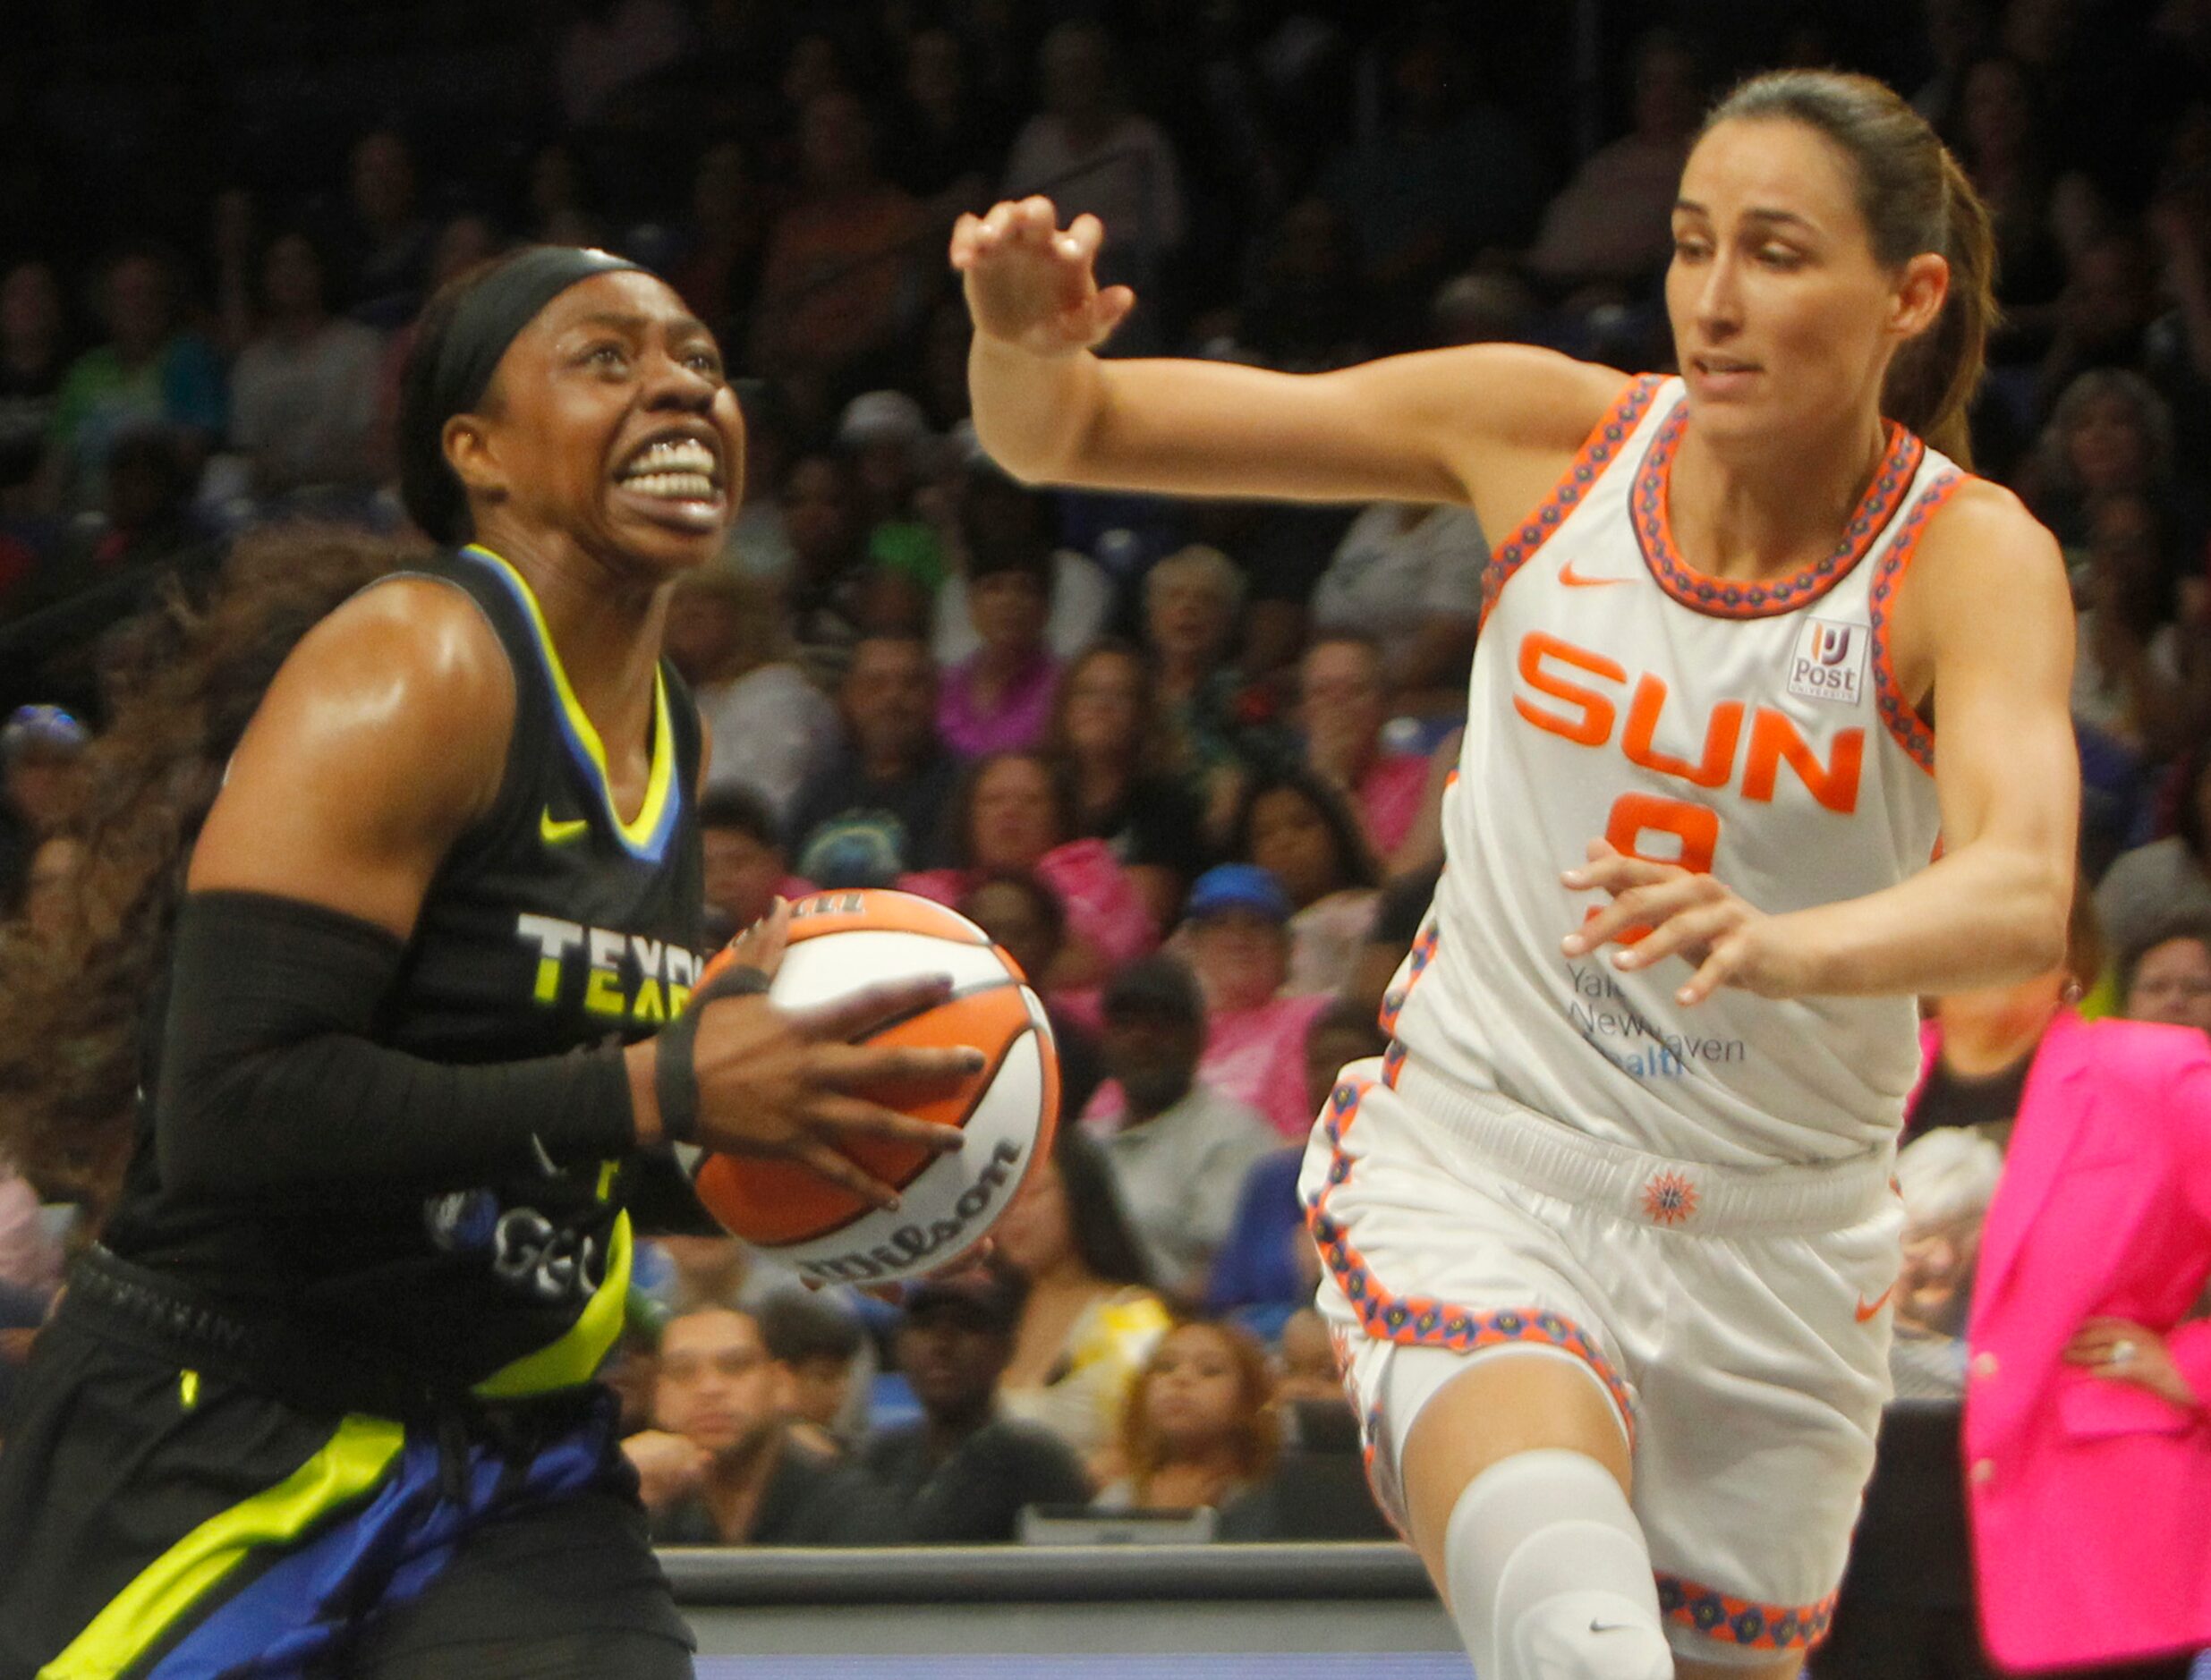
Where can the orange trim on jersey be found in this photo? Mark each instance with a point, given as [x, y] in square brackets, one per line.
[1748, 1623]
[1416, 1320]
[1727, 598]
[1899, 715]
[1596, 454]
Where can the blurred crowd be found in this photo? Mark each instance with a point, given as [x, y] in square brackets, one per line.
[1183, 760]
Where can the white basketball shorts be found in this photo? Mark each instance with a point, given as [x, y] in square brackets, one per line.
[1736, 1317]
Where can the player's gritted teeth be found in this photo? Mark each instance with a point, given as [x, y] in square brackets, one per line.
[679, 472]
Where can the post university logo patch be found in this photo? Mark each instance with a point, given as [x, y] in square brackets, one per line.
[1828, 662]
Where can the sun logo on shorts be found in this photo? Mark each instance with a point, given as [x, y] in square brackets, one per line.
[1668, 1199]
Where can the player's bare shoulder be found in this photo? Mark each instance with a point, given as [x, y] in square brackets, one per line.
[1511, 417]
[407, 682]
[1985, 567]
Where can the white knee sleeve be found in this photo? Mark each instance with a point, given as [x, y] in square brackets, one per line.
[1549, 1576]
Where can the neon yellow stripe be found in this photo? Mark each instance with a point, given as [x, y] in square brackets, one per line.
[661, 778]
[575, 1356]
[353, 1462]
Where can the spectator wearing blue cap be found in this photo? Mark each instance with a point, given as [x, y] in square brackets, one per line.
[1235, 933]
[1178, 1146]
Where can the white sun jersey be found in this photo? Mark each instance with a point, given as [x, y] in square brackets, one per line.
[1755, 730]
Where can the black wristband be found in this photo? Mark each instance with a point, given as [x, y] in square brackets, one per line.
[675, 1079]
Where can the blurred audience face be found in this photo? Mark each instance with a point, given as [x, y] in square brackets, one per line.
[1036, 1235]
[2108, 444]
[44, 784]
[1008, 610]
[1931, 1290]
[291, 278]
[138, 307]
[1009, 914]
[2172, 984]
[1104, 701]
[1341, 695]
[814, 1389]
[1014, 817]
[1308, 1360]
[952, 1360]
[1193, 1393]
[30, 312]
[716, 1384]
[48, 884]
[702, 629]
[2127, 572]
[818, 515]
[1188, 620]
[1154, 1054]
[741, 873]
[1291, 837]
[890, 700]
[1241, 958]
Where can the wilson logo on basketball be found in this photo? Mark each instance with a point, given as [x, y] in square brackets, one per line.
[903, 1250]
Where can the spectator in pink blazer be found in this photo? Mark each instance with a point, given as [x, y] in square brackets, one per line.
[2087, 1414]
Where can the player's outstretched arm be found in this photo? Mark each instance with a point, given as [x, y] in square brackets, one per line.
[1440, 426]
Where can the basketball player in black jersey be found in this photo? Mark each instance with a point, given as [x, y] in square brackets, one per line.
[321, 1401]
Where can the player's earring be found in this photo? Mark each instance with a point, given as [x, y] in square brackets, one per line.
[2072, 992]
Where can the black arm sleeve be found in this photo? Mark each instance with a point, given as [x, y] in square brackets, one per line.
[271, 1083]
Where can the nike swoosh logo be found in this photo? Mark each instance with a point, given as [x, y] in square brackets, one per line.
[1574, 580]
[1610, 1627]
[556, 832]
[1865, 1309]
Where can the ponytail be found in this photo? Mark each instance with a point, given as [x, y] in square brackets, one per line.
[1915, 199]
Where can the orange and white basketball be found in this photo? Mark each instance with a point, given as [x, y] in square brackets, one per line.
[840, 942]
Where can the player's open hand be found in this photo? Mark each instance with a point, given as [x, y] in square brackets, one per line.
[1033, 284]
[1661, 909]
[792, 1082]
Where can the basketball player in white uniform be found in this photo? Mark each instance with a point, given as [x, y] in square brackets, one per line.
[1609, 1233]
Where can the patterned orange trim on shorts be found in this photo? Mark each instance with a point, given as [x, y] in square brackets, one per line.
[1899, 715]
[1744, 1622]
[1423, 954]
[1595, 454]
[1417, 1321]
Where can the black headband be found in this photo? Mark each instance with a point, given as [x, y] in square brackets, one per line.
[496, 309]
[450, 376]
